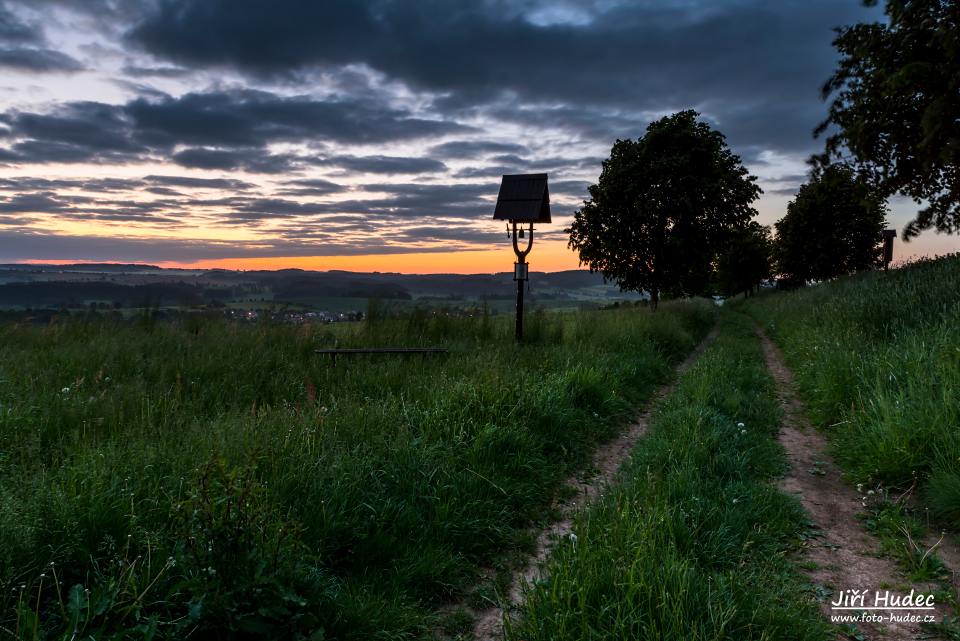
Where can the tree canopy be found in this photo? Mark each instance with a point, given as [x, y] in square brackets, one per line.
[662, 208]
[745, 261]
[896, 112]
[832, 227]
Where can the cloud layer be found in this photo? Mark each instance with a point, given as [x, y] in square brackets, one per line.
[342, 125]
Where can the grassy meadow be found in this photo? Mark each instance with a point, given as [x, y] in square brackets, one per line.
[877, 361]
[203, 478]
[692, 543]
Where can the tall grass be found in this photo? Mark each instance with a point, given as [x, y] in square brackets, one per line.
[220, 480]
[690, 545]
[877, 360]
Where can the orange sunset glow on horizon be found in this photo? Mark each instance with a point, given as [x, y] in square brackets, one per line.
[548, 257]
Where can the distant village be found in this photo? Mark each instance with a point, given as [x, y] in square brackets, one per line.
[295, 317]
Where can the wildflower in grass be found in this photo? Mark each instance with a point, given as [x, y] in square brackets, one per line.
[65, 390]
[741, 425]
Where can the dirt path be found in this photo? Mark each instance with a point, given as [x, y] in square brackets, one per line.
[606, 460]
[845, 554]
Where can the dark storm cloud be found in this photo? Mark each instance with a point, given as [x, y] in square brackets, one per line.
[632, 56]
[14, 221]
[86, 208]
[310, 187]
[511, 164]
[249, 118]
[23, 47]
[224, 130]
[37, 60]
[400, 201]
[414, 200]
[783, 191]
[199, 183]
[25, 245]
[155, 72]
[163, 191]
[72, 132]
[13, 29]
[569, 188]
[33, 203]
[329, 227]
[31, 183]
[257, 209]
[474, 148]
[445, 234]
[387, 164]
[250, 159]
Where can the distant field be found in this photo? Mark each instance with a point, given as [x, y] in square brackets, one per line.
[164, 478]
[877, 358]
[134, 287]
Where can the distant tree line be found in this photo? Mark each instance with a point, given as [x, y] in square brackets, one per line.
[72, 293]
[671, 213]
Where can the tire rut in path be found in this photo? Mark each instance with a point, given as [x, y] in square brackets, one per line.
[846, 555]
[606, 460]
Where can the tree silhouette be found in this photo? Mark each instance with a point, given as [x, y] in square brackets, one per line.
[833, 227]
[662, 207]
[745, 260]
[896, 112]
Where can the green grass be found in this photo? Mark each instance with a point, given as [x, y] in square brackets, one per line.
[219, 480]
[877, 361]
[692, 543]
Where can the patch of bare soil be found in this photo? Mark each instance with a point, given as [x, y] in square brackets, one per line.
[606, 461]
[846, 555]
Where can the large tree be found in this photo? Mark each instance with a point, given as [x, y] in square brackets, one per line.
[832, 227]
[745, 260]
[663, 206]
[896, 112]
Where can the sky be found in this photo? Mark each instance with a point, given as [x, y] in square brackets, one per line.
[371, 134]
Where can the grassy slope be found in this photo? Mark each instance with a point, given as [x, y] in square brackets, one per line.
[877, 360]
[157, 479]
[690, 545]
